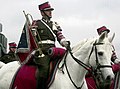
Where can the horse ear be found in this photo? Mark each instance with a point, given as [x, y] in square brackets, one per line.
[102, 36]
[111, 38]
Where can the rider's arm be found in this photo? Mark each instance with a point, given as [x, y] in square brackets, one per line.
[60, 37]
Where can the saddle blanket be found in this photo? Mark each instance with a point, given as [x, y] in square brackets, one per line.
[92, 85]
[25, 78]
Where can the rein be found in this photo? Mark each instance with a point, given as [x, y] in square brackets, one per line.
[69, 74]
[89, 68]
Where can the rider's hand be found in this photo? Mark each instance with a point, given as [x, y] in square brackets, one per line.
[66, 44]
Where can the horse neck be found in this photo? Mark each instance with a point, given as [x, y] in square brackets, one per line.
[76, 71]
[82, 54]
[1, 64]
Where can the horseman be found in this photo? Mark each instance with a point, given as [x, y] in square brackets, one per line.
[47, 32]
[11, 56]
[114, 59]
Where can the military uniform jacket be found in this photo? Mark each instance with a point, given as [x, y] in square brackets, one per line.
[44, 31]
[9, 57]
[45, 34]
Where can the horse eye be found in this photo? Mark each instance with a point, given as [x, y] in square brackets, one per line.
[100, 53]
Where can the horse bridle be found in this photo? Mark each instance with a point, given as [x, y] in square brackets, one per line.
[87, 67]
[96, 71]
[97, 61]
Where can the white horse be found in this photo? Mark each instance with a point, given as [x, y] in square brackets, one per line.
[7, 73]
[95, 53]
[1, 64]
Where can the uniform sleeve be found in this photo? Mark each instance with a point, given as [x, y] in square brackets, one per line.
[114, 57]
[61, 38]
[116, 67]
[58, 31]
[5, 58]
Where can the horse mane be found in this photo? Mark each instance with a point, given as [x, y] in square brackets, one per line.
[81, 43]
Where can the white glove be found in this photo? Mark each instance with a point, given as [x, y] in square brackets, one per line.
[65, 44]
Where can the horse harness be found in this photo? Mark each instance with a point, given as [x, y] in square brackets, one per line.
[90, 69]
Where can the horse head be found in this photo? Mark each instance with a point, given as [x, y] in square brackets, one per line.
[102, 56]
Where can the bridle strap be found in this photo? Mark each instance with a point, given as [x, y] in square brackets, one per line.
[98, 64]
[89, 68]
[103, 66]
[96, 55]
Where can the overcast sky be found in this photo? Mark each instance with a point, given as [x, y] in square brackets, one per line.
[79, 19]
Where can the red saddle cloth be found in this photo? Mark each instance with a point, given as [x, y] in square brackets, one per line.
[25, 78]
[91, 83]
